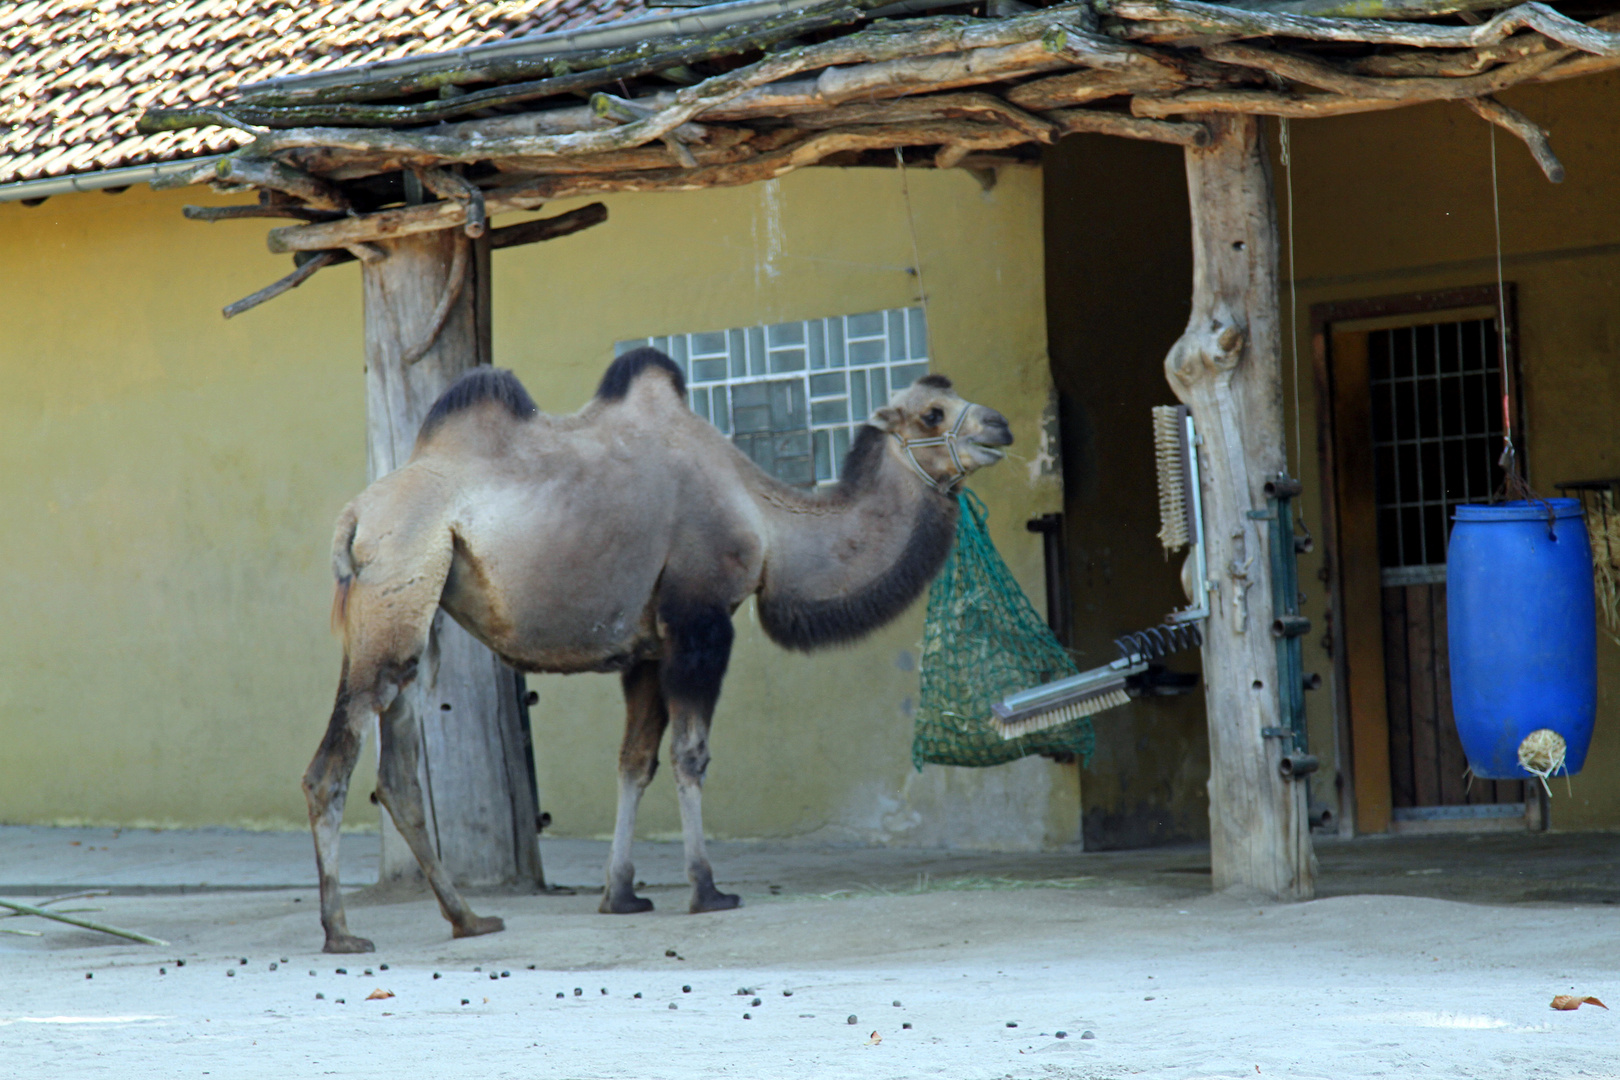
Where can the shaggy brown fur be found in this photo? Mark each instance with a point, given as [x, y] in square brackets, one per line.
[621, 538]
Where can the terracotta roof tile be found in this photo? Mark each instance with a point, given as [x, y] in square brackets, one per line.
[75, 74]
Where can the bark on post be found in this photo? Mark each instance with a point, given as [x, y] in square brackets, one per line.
[1227, 369]
[426, 311]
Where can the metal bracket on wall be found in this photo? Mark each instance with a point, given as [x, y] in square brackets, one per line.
[1288, 625]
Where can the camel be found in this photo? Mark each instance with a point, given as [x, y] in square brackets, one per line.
[620, 539]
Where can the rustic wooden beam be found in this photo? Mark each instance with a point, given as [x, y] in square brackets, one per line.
[479, 807]
[723, 145]
[527, 232]
[1260, 103]
[1171, 20]
[720, 41]
[270, 175]
[1083, 87]
[1533, 135]
[971, 105]
[641, 60]
[447, 185]
[1448, 63]
[533, 232]
[392, 224]
[409, 220]
[1226, 368]
[1326, 76]
[1368, 9]
[302, 272]
[1003, 47]
[1077, 121]
[255, 210]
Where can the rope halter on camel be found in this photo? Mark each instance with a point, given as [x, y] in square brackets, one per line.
[948, 441]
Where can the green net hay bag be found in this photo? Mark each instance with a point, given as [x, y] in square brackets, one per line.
[982, 640]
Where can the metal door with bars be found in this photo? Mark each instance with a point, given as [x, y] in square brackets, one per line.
[1435, 393]
[1410, 397]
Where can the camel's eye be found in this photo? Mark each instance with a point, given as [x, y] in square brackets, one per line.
[933, 416]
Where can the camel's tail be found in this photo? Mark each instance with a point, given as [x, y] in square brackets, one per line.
[343, 567]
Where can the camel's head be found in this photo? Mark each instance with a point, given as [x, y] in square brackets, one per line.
[944, 436]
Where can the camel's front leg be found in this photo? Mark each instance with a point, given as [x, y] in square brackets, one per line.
[698, 647]
[401, 793]
[326, 786]
[645, 720]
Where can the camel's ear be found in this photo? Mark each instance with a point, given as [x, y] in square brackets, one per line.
[888, 419]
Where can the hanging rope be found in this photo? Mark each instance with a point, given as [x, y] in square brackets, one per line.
[911, 222]
[1514, 484]
[1285, 145]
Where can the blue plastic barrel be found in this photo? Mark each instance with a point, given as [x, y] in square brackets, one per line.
[1523, 631]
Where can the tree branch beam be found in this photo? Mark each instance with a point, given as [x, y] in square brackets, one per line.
[563, 76]
[1370, 9]
[262, 172]
[302, 272]
[1260, 103]
[972, 105]
[1325, 76]
[255, 210]
[992, 50]
[533, 232]
[529, 195]
[729, 40]
[1093, 121]
[1169, 20]
[1534, 136]
[447, 185]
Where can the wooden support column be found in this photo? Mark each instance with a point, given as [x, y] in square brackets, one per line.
[1227, 369]
[427, 321]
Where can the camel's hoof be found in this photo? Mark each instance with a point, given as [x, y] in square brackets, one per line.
[484, 924]
[347, 943]
[630, 904]
[715, 900]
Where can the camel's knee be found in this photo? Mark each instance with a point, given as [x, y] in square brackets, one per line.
[691, 759]
[334, 759]
[639, 770]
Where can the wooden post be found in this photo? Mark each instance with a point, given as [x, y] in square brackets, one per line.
[427, 321]
[1226, 367]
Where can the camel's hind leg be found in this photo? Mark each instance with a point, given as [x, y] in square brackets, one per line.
[697, 650]
[646, 716]
[401, 793]
[326, 786]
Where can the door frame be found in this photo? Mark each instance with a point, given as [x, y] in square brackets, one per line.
[1355, 641]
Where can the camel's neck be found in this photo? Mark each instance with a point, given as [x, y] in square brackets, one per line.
[842, 563]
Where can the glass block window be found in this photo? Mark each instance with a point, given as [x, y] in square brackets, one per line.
[791, 395]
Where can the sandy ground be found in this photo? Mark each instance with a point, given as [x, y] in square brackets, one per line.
[1168, 980]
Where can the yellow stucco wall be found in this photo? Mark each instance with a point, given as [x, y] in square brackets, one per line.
[168, 483]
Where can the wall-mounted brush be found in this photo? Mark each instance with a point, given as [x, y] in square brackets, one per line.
[1181, 524]
[1097, 690]
[1181, 506]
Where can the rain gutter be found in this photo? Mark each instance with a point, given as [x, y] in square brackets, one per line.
[100, 180]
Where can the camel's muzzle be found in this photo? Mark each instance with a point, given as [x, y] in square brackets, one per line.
[994, 430]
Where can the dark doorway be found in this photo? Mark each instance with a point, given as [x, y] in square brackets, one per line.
[1118, 284]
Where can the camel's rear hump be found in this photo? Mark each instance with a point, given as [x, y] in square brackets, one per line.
[474, 387]
[626, 369]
